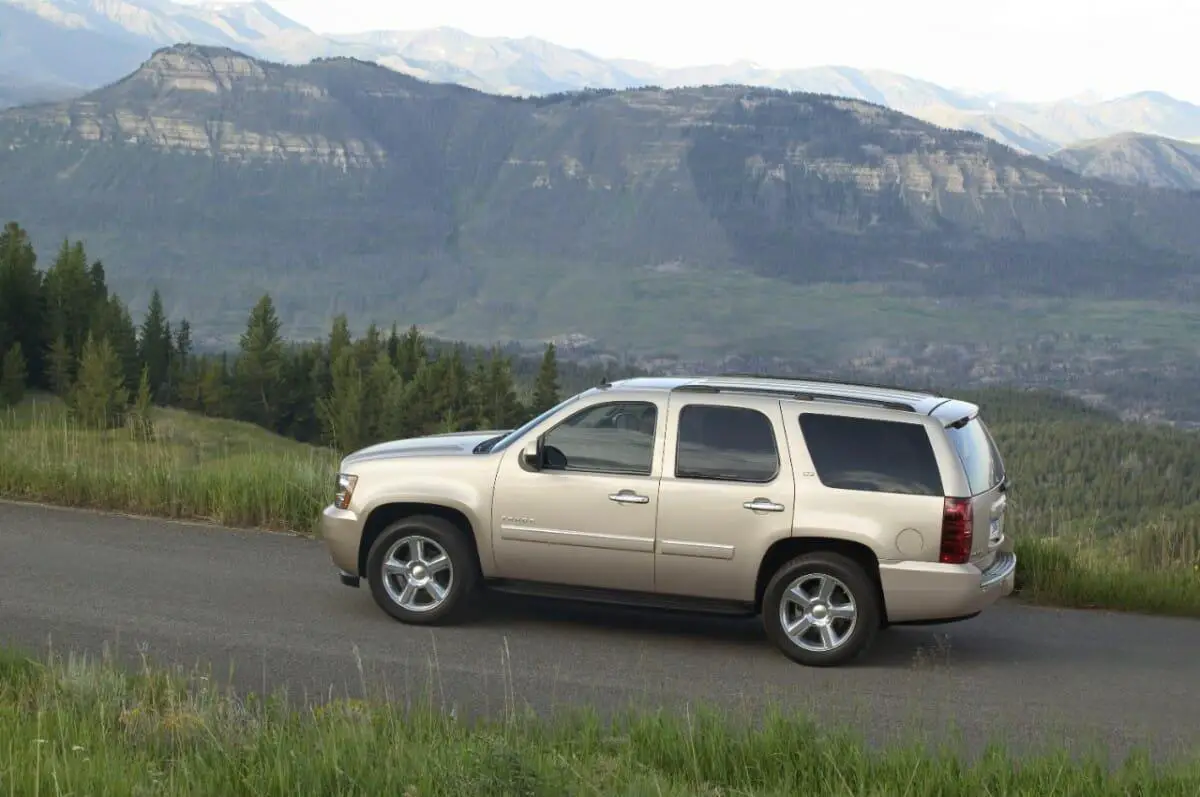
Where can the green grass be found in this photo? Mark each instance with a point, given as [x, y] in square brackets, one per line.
[192, 467]
[74, 727]
[237, 474]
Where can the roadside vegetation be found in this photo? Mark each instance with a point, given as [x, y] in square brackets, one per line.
[103, 414]
[79, 727]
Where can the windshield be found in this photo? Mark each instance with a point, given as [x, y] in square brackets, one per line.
[508, 439]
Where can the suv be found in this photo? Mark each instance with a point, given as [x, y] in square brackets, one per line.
[833, 510]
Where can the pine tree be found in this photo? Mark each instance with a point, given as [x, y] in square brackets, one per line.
[13, 376]
[154, 346]
[341, 411]
[259, 365]
[61, 366]
[22, 302]
[70, 298]
[377, 392]
[411, 354]
[545, 389]
[98, 397]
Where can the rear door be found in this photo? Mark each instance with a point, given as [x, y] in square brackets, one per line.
[984, 469]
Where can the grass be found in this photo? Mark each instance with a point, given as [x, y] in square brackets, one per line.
[76, 727]
[237, 474]
[195, 468]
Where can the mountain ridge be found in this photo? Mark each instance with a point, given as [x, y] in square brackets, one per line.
[1136, 159]
[529, 65]
[700, 216]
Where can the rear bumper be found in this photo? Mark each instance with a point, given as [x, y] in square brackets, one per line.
[928, 591]
[341, 530]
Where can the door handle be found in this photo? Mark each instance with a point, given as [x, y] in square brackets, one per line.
[763, 505]
[629, 497]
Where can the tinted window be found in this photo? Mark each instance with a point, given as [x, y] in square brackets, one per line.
[606, 438]
[728, 443]
[871, 455]
[978, 454]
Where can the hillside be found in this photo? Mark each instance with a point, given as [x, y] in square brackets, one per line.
[345, 186]
[1134, 159]
[89, 43]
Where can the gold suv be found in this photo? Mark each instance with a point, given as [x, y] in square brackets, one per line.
[833, 510]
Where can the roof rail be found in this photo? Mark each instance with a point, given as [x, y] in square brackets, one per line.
[828, 380]
[798, 395]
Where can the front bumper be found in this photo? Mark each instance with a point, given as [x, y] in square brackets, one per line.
[341, 530]
[928, 592]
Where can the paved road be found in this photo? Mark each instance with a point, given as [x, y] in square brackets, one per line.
[270, 606]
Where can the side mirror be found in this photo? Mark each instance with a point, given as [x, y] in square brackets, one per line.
[531, 455]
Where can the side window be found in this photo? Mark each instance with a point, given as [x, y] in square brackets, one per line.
[606, 438]
[725, 443]
[871, 455]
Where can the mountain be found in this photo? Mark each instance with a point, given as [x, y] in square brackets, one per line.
[1136, 159]
[88, 43]
[702, 218]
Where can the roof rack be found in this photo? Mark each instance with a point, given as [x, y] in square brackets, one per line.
[825, 380]
[798, 395]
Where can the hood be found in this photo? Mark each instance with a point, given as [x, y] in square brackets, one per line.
[434, 445]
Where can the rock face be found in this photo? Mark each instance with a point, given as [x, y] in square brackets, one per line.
[1135, 159]
[345, 183]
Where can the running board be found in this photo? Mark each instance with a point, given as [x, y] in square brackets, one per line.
[618, 597]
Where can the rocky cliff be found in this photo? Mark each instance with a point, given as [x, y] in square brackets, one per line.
[345, 184]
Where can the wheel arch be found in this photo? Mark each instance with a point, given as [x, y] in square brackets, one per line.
[784, 550]
[385, 515]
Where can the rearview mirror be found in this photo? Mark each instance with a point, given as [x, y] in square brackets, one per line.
[531, 455]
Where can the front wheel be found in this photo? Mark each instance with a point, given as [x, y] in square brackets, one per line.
[422, 571]
[821, 609]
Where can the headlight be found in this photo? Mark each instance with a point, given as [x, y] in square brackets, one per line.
[345, 490]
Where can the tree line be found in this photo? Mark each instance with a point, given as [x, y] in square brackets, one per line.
[62, 330]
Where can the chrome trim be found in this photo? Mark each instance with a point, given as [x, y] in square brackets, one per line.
[582, 539]
[699, 550]
[626, 497]
[1003, 567]
[763, 505]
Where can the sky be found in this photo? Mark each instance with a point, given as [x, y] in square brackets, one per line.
[1028, 49]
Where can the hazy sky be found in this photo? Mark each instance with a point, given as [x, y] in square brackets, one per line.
[1033, 49]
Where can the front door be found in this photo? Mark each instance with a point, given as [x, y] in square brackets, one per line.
[587, 516]
[727, 494]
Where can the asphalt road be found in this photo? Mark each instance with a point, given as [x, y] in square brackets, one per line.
[271, 607]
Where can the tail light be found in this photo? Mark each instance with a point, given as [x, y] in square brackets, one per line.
[958, 517]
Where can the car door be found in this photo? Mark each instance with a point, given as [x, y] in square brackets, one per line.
[586, 516]
[726, 495]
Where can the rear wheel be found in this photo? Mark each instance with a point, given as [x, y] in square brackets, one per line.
[422, 571]
[821, 609]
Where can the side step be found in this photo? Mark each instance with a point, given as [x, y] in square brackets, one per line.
[617, 597]
[349, 579]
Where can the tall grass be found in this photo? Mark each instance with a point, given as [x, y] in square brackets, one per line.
[77, 727]
[238, 474]
[189, 467]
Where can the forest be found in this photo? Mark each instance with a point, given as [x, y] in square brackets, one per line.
[1077, 471]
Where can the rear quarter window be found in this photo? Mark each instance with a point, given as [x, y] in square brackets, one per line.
[871, 455]
[980, 459]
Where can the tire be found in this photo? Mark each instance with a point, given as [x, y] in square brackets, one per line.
[438, 538]
[849, 580]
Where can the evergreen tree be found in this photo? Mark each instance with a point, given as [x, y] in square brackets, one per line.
[341, 411]
[98, 397]
[496, 396]
[259, 365]
[70, 298]
[545, 389]
[378, 391]
[61, 367]
[13, 376]
[22, 302]
[411, 354]
[154, 347]
[213, 391]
